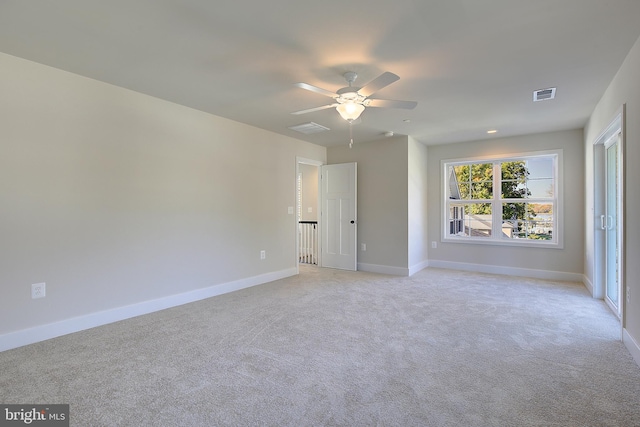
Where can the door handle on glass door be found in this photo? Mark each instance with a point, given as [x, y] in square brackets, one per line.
[602, 223]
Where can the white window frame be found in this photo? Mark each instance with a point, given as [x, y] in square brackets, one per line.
[557, 241]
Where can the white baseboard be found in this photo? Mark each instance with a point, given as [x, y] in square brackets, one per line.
[394, 271]
[76, 324]
[587, 283]
[510, 271]
[480, 268]
[383, 269]
[632, 346]
[417, 267]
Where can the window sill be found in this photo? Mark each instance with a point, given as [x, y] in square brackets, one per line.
[511, 242]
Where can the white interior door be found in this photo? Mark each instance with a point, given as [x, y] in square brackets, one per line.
[339, 216]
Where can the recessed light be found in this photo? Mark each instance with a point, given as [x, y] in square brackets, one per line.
[407, 121]
[492, 131]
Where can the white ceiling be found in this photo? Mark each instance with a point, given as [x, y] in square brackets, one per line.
[471, 65]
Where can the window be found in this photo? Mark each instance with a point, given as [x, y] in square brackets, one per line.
[512, 200]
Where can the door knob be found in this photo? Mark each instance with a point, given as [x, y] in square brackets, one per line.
[353, 222]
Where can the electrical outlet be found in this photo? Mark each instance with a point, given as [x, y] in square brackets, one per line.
[364, 247]
[628, 294]
[434, 244]
[38, 290]
[263, 254]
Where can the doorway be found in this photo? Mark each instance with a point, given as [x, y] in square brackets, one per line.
[609, 161]
[326, 214]
[307, 212]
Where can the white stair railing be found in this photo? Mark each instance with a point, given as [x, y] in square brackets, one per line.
[308, 238]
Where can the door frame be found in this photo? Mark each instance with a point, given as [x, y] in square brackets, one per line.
[617, 124]
[318, 164]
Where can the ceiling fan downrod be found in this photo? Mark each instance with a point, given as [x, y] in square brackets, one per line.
[350, 77]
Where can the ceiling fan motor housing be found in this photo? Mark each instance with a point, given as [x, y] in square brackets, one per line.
[349, 94]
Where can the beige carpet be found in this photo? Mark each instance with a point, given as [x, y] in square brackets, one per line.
[441, 348]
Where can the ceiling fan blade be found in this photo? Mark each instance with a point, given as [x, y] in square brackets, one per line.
[311, 110]
[387, 103]
[383, 80]
[317, 90]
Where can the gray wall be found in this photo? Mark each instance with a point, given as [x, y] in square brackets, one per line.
[624, 89]
[113, 198]
[382, 201]
[567, 260]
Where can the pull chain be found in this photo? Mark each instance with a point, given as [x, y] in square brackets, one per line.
[350, 133]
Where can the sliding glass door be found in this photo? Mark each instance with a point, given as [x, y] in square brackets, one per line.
[611, 223]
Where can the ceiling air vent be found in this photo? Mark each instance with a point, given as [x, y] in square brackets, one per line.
[544, 94]
[308, 128]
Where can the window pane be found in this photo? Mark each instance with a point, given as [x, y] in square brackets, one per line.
[470, 220]
[482, 190]
[541, 225]
[482, 172]
[531, 178]
[527, 221]
[456, 220]
[477, 209]
[514, 170]
[474, 181]
[512, 211]
[514, 178]
[462, 174]
[540, 188]
[461, 171]
[452, 184]
[478, 221]
[513, 190]
[541, 167]
[465, 192]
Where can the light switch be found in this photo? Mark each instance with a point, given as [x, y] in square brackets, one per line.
[290, 210]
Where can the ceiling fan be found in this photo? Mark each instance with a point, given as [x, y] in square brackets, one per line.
[351, 101]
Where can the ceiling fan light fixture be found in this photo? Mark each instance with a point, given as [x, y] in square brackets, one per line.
[350, 111]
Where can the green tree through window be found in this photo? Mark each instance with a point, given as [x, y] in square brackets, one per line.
[514, 179]
[476, 183]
